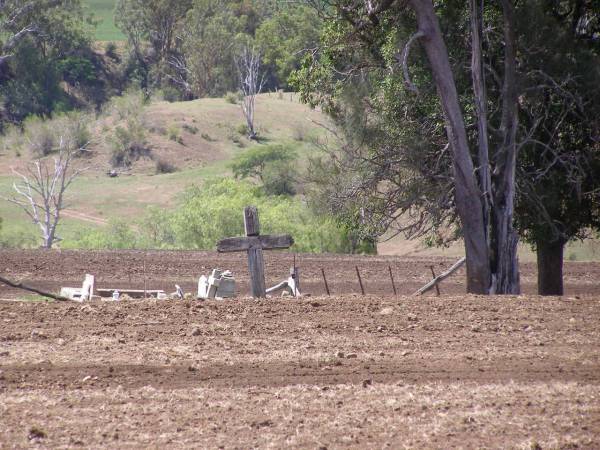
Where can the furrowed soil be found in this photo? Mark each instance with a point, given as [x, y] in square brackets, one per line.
[374, 371]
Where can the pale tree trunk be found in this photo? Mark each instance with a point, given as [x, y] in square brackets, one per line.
[504, 239]
[550, 267]
[480, 93]
[468, 196]
[251, 83]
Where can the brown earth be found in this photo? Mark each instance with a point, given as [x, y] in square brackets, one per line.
[377, 371]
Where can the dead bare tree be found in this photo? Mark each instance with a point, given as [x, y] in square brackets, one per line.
[41, 188]
[251, 83]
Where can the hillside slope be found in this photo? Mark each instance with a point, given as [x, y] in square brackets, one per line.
[209, 135]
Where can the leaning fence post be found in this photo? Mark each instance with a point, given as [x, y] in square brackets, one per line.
[362, 289]
[325, 281]
[437, 288]
[392, 278]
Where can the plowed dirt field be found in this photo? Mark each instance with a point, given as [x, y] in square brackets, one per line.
[374, 371]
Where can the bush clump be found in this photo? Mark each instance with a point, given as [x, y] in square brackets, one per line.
[174, 134]
[164, 166]
[272, 165]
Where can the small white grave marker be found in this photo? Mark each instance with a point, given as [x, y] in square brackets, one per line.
[217, 285]
[82, 294]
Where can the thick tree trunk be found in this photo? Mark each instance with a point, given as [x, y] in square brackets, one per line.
[503, 240]
[480, 92]
[550, 267]
[467, 193]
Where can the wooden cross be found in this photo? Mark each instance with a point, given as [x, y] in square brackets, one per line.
[254, 244]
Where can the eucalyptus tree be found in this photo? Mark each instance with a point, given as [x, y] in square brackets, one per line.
[373, 43]
[431, 133]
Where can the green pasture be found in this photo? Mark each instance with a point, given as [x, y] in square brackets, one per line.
[103, 10]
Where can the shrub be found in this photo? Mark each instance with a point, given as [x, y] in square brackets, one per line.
[117, 235]
[40, 136]
[299, 132]
[131, 104]
[170, 94]
[128, 145]
[242, 129]
[18, 239]
[215, 210]
[110, 50]
[207, 137]
[252, 163]
[164, 166]
[279, 178]
[192, 129]
[174, 133]
[76, 128]
[231, 97]
[11, 141]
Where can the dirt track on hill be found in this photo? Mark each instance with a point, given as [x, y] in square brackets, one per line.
[344, 371]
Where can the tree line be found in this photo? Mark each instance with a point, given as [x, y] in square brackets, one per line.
[473, 119]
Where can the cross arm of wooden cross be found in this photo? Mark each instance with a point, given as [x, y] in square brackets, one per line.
[267, 242]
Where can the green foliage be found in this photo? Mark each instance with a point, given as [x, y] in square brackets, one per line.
[209, 213]
[110, 50]
[128, 144]
[18, 238]
[210, 34]
[215, 211]
[77, 70]
[242, 129]
[174, 133]
[118, 235]
[271, 164]
[152, 27]
[35, 87]
[253, 162]
[170, 94]
[558, 199]
[285, 36]
[280, 178]
[59, 50]
[103, 12]
[214, 35]
[128, 141]
[41, 137]
[232, 97]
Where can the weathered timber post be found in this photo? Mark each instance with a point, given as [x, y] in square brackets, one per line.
[437, 287]
[325, 281]
[295, 275]
[362, 289]
[254, 244]
[256, 262]
[392, 278]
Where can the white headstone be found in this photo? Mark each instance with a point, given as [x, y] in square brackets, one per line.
[202, 286]
[217, 285]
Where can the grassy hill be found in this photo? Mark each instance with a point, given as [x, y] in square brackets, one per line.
[206, 136]
[199, 138]
[104, 11]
